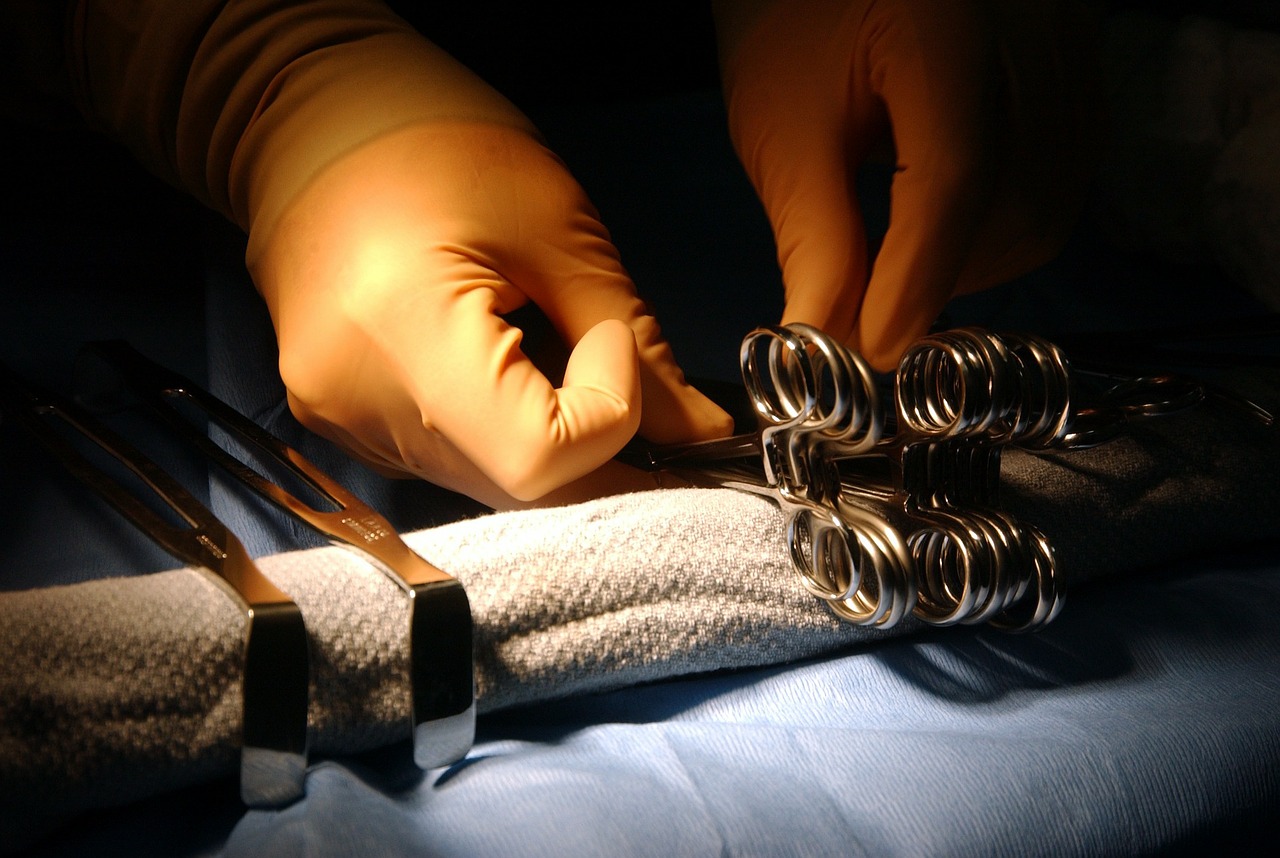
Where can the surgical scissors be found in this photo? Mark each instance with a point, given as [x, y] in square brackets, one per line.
[809, 395]
[930, 538]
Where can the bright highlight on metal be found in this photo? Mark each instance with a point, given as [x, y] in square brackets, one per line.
[273, 761]
[894, 512]
[442, 695]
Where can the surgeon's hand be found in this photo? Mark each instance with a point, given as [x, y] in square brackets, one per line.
[388, 277]
[988, 106]
[396, 207]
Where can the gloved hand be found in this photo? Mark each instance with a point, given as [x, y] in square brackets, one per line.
[396, 208]
[388, 276]
[991, 106]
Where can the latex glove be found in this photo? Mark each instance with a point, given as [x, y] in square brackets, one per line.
[396, 207]
[991, 106]
[388, 277]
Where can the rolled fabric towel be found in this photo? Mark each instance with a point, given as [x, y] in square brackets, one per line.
[114, 690]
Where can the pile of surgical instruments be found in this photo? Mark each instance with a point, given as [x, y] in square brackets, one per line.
[894, 512]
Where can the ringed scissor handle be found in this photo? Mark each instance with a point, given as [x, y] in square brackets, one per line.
[812, 397]
[852, 559]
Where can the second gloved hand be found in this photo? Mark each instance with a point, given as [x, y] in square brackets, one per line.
[989, 108]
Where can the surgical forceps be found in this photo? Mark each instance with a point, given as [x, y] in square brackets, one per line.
[959, 397]
[1224, 344]
[977, 392]
[273, 758]
[808, 395]
[440, 629]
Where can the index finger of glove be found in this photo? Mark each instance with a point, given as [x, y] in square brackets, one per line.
[934, 66]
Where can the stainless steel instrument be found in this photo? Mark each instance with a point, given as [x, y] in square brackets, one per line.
[276, 663]
[439, 631]
[893, 511]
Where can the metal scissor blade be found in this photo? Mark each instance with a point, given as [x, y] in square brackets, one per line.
[662, 457]
[276, 662]
[440, 627]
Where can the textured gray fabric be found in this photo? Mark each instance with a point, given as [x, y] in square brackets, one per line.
[1167, 488]
[117, 689]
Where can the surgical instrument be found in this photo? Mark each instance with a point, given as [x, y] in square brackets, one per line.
[439, 632]
[824, 443]
[276, 662]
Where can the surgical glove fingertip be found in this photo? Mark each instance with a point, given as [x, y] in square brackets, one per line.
[592, 416]
[606, 362]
